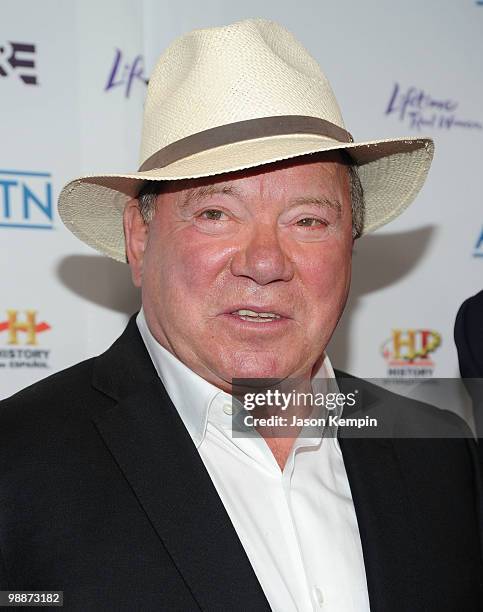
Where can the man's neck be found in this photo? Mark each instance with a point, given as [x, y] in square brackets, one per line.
[280, 439]
[281, 448]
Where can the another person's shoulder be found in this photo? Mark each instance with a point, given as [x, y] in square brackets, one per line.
[468, 335]
[475, 302]
[470, 315]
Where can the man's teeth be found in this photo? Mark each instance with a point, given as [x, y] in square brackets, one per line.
[259, 317]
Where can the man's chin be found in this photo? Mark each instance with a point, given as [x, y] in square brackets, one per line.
[257, 371]
[245, 362]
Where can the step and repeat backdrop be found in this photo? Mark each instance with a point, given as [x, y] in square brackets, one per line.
[73, 78]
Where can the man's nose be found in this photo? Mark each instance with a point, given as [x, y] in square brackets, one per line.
[262, 257]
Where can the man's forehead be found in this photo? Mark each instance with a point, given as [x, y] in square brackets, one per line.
[319, 169]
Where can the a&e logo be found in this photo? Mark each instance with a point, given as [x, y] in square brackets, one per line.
[18, 58]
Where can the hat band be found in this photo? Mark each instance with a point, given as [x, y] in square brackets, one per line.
[244, 130]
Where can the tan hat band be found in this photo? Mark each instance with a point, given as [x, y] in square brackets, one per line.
[239, 131]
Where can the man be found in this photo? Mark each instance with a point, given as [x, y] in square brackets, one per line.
[468, 335]
[121, 480]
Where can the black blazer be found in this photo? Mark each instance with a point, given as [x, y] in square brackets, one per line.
[468, 335]
[103, 495]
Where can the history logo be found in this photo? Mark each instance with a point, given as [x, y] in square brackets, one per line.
[17, 58]
[409, 352]
[20, 344]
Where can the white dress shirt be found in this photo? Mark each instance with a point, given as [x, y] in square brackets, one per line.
[298, 526]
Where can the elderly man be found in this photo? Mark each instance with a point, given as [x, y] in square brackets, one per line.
[121, 480]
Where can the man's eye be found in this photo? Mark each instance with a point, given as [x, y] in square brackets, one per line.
[311, 222]
[212, 214]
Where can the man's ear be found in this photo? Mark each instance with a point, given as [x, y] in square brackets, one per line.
[135, 236]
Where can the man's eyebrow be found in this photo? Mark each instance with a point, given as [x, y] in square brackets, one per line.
[197, 194]
[322, 202]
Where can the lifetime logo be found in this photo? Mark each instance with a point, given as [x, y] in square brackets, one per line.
[124, 73]
[26, 199]
[28, 326]
[410, 346]
[16, 57]
[422, 110]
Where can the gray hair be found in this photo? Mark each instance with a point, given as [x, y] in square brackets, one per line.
[151, 189]
[357, 201]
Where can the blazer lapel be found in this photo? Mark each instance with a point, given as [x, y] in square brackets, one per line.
[154, 451]
[381, 503]
[383, 516]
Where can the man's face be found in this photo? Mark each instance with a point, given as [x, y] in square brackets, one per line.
[276, 240]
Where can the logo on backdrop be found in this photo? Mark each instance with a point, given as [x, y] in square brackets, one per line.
[125, 73]
[18, 59]
[420, 111]
[26, 200]
[408, 352]
[478, 252]
[21, 338]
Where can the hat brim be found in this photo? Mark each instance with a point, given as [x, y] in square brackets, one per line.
[392, 172]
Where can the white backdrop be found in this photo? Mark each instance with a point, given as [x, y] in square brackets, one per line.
[72, 83]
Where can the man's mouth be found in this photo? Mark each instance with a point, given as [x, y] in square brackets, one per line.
[256, 317]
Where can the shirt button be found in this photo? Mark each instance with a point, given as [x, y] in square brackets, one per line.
[227, 409]
[318, 596]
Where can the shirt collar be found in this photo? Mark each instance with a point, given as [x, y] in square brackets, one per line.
[191, 394]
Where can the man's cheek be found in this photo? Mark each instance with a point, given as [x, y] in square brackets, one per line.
[200, 264]
[319, 259]
[326, 282]
[193, 276]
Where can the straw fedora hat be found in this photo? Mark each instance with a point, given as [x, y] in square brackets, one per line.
[235, 97]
